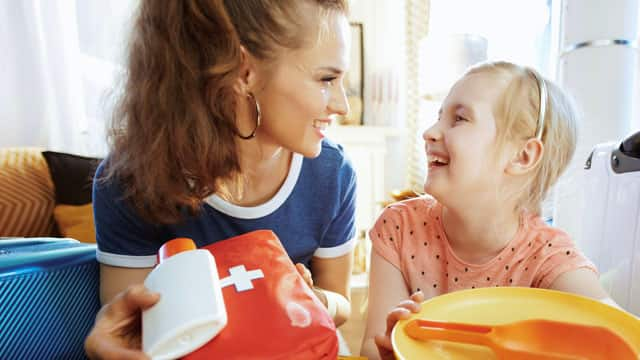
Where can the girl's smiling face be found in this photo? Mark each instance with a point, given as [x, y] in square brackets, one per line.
[462, 159]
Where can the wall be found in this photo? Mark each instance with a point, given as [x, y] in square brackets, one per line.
[385, 77]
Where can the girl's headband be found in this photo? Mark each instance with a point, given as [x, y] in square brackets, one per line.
[542, 89]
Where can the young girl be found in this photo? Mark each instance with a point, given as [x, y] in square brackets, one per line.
[503, 137]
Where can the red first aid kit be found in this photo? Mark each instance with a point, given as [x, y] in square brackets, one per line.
[272, 313]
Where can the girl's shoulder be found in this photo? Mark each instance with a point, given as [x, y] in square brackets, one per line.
[411, 213]
[540, 233]
[421, 205]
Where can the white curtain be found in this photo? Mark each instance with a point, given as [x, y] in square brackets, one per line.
[418, 16]
[54, 81]
[41, 92]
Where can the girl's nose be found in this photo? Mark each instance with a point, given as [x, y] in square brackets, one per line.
[432, 134]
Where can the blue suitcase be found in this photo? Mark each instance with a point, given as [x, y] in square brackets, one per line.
[49, 297]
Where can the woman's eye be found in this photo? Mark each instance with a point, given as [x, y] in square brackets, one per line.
[460, 118]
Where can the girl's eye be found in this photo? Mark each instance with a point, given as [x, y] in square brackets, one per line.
[328, 80]
[460, 118]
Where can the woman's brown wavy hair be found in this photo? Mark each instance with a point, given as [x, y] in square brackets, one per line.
[172, 135]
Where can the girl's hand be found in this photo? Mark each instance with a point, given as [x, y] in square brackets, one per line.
[400, 312]
[116, 333]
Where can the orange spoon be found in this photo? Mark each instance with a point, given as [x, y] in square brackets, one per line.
[529, 339]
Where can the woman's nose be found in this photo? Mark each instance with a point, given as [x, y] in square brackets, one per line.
[339, 104]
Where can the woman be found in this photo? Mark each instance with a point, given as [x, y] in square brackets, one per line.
[220, 131]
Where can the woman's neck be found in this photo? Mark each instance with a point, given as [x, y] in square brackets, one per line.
[264, 169]
[255, 158]
[477, 233]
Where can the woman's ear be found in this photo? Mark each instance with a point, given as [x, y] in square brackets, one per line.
[247, 73]
[527, 158]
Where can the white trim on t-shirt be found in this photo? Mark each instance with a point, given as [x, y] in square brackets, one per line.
[332, 252]
[255, 212]
[129, 261]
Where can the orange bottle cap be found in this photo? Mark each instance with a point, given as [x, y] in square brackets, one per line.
[173, 247]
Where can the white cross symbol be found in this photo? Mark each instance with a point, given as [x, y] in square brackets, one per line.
[241, 278]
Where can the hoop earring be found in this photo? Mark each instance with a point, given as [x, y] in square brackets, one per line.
[258, 118]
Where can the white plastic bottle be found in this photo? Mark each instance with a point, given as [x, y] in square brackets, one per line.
[191, 308]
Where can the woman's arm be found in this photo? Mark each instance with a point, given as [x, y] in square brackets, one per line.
[334, 275]
[114, 280]
[387, 289]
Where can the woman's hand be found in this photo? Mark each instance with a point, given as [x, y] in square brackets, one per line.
[308, 279]
[116, 333]
[400, 312]
[305, 273]
[337, 305]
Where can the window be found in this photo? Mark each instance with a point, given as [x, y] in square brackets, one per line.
[462, 32]
[517, 31]
[103, 29]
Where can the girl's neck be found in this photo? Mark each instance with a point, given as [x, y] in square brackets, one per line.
[478, 233]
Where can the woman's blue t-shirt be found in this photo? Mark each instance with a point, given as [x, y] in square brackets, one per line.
[313, 214]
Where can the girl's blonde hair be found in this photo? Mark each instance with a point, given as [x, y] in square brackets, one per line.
[517, 113]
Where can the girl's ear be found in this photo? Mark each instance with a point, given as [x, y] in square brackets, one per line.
[527, 158]
[247, 73]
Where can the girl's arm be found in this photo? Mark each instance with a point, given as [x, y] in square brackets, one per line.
[583, 282]
[387, 289]
[332, 276]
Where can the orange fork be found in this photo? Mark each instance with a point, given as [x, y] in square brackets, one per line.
[529, 339]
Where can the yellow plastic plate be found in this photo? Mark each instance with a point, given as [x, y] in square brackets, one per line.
[501, 305]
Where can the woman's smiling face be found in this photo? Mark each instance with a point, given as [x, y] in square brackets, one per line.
[305, 89]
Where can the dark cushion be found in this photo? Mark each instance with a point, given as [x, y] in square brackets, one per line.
[72, 176]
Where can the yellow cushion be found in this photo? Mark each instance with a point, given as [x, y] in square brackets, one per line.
[76, 222]
[26, 193]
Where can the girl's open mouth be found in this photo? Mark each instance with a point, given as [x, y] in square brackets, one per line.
[437, 161]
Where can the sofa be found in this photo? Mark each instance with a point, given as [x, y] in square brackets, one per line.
[46, 194]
